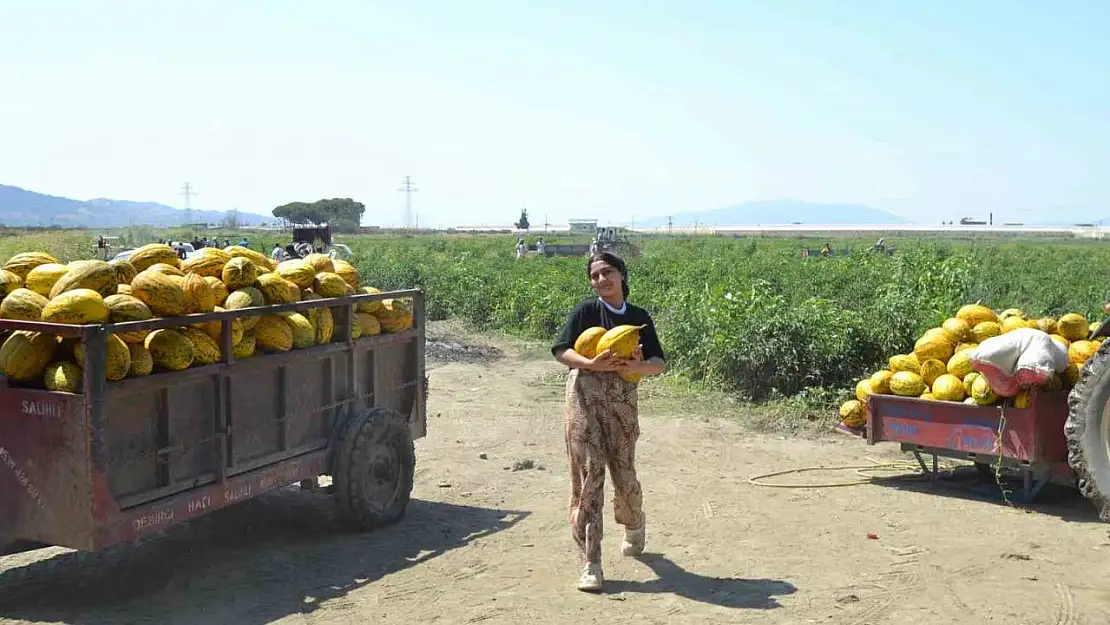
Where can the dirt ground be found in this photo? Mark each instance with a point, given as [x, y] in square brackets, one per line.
[486, 540]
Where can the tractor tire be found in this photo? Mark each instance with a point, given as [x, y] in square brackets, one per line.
[1088, 431]
[374, 469]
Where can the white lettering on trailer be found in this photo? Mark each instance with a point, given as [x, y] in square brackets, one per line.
[153, 519]
[41, 408]
[21, 477]
[200, 503]
[238, 493]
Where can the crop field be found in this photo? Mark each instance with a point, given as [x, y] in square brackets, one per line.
[748, 316]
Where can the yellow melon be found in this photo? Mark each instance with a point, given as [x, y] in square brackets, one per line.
[325, 326]
[982, 392]
[258, 259]
[956, 329]
[1073, 327]
[1081, 351]
[1009, 324]
[63, 376]
[77, 306]
[124, 270]
[964, 346]
[1061, 340]
[320, 262]
[277, 290]
[86, 274]
[122, 308]
[273, 334]
[206, 351]
[117, 359]
[1010, 312]
[586, 343]
[974, 314]
[199, 297]
[169, 349]
[864, 389]
[395, 316]
[933, 348]
[208, 261]
[853, 414]
[905, 362]
[219, 290]
[142, 363]
[42, 278]
[239, 272]
[21, 264]
[304, 335]
[23, 305]
[368, 324]
[1023, 399]
[243, 299]
[969, 381]
[948, 387]
[931, 370]
[907, 384]
[164, 296]
[298, 272]
[348, 272]
[985, 330]
[331, 285]
[152, 254]
[24, 355]
[245, 348]
[169, 270]
[880, 382]
[371, 307]
[1046, 324]
[960, 364]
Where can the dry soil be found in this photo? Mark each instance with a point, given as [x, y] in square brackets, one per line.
[486, 540]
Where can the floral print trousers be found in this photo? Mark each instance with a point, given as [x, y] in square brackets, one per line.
[602, 427]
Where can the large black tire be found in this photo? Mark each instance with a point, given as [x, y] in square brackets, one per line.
[374, 469]
[1088, 431]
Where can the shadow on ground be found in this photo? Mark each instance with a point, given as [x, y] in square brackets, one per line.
[729, 592]
[253, 563]
[1054, 500]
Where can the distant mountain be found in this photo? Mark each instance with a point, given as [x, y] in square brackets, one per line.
[20, 207]
[780, 212]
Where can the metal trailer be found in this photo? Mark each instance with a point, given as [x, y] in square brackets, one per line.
[123, 460]
[1029, 440]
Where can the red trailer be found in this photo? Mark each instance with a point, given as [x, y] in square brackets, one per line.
[1030, 440]
[119, 461]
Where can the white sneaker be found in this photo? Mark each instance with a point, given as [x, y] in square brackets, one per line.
[633, 543]
[591, 578]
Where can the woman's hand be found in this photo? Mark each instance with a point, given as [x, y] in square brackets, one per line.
[637, 364]
[607, 361]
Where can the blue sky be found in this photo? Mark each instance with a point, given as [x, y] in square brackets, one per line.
[930, 110]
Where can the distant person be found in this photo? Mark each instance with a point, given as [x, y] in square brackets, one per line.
[520, 248]
[242, 243]
[278, 254]
[826, 250]
[541, 248]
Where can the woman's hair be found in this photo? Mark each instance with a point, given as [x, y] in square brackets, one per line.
[613, 261]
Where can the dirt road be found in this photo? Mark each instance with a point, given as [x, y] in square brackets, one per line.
[486, 538]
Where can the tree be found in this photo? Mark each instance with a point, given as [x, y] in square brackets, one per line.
[343, 214]
[523, 223]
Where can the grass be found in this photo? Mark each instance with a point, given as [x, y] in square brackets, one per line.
[748, 317]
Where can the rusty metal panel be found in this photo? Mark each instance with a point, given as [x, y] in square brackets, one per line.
[253, 418]
[192, 419]
[394, 377]
[308, 402]
[130, 441]
[45, 467]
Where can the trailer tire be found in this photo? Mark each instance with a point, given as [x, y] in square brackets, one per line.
[374, 469]
[1088, 431]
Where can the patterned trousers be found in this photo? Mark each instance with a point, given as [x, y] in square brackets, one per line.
[602, 427]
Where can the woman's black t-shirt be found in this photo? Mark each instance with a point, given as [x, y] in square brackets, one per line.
[592, 312]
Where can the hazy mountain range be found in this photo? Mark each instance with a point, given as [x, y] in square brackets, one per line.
[20, 207]
[779, 212]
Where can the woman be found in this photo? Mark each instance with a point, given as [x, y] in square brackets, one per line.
[601, 416]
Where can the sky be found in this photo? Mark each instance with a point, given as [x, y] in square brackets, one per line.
[611, 110]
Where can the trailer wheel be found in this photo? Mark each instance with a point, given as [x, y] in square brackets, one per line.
[1088, 431]
[374, 469]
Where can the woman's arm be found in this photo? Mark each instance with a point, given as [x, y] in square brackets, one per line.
[602, 362]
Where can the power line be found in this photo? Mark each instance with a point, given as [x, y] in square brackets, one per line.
[408, 190]
[187, 191]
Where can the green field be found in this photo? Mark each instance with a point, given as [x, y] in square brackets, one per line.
[747, 316]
